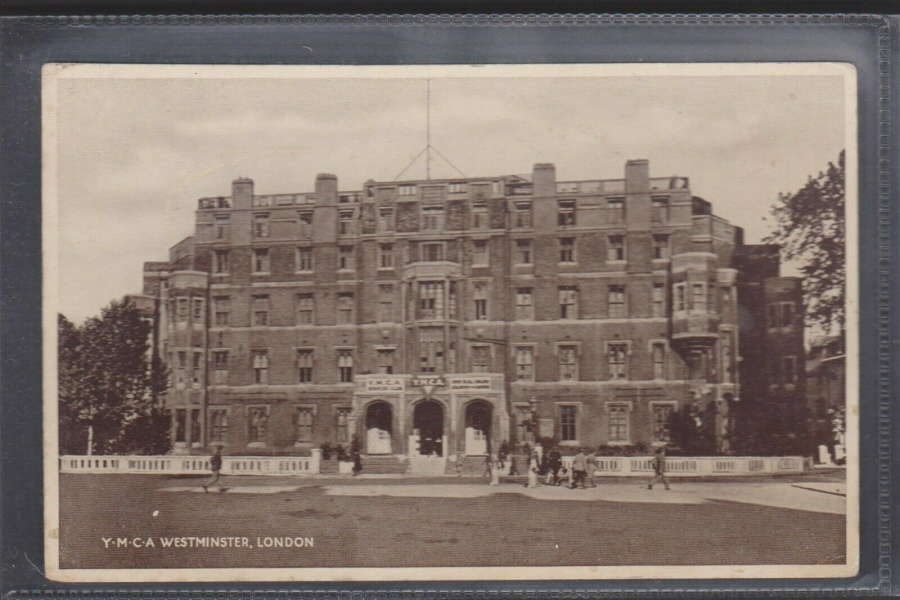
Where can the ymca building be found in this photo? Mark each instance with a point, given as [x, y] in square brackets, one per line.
[444, 317]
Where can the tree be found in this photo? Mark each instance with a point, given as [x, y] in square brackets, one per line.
[809, 226]
[108, 389]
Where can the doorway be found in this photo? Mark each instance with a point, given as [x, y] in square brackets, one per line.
[478, 428]
[378, 428]
[428, 427]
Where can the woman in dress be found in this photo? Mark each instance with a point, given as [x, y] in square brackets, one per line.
[533, 469]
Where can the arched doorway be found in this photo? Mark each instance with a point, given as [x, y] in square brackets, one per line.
[378, 428]
[478, 428]
[428, 428]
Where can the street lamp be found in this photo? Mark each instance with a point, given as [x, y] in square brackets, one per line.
[533, 406]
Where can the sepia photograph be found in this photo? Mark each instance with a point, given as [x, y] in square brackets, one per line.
[450, 322]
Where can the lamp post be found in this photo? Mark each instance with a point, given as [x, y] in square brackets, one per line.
[533, 414]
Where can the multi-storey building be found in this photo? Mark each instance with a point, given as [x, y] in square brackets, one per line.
[443, 316]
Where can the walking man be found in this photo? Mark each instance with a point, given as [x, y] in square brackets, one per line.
[592, 465]
[215, 464]
[579, 469]
[659, 468]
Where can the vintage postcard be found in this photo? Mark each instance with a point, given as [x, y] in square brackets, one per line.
[348, 323]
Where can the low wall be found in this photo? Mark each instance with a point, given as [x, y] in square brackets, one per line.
[186, 465]
[696, 466]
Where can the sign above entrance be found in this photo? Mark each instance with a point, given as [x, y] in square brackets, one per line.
[428, 383]
[383, 384]
[470, 383]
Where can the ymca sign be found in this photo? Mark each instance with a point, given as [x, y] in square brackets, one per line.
[428, 383]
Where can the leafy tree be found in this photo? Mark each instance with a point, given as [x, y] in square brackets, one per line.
[809, 225]
[108, 391]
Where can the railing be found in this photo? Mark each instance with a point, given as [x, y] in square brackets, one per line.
[699, 466]
[187, 465]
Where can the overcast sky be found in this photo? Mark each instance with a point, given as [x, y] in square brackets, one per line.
[134, 155]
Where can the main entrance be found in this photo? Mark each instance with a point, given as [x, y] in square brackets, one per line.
[478, 428]
[378, 428]
[428, 429]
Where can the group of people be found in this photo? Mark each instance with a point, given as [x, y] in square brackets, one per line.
[582, 470]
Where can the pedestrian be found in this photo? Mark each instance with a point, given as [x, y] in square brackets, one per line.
[215, 464]
[545, 467]
[495, 473]
[533, 469]
[487, 465]
[592, 465]
[579, 469]
[513, 467]
[555, 464]
[659, 468]
[357, 463]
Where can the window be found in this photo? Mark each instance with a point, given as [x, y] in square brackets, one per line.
[407, 190]
[662, 415]
[480, 252]
[222, 306]
[568, 416]
[615, 251]
[524, 363]
[258, 421]
[481, 305]
[658, 300]
[306, 309]
[568, 303]
[180, 425]
[727, 358]
[566, 213]
[183, 307]
[386, 256]
[618, 422]
[385, 303]
[345, 258]
[261, 260]
[568, 363]
[781, 314]
[304, 259]
[432, 252]
[304, 418]
[458, 187]
[195, 426]
[617, 307]
[481, 359]
[196, 369]
[261, 225]
[220, 261]
[522, 215]
[698, 296]
[433, 218]
[524, 305]
[386, 361]
[305, 220]
[182, 360]
[451, 301]
[659, 210]
[218, 425]
[220, 367]
[523, 252]
[567, 250]
[345, 222]
[431, 300]
[680, 302]
[345, 365]
[343, 424]
[658, 350]
[223, 227]
[260, 366]
[198, 310]
[617, 354]
[385, 219]
[789, 369]
[260, 311]
[660, 246]
[345, 308]
[479, 216]
[431, 350]
[616, 211]
[305, 365]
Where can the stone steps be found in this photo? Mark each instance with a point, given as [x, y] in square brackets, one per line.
[426, 466]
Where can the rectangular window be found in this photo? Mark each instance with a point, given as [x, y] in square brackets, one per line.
[566, 213]
[305, 221]
[195, 427]
[223, 227]
[343, 424]
[659, 360]
[261, 226]
[218, 425]
[182, 360]
[615, 250]
[660, 247]
[432, 252]
[524, 363]
[386, 361]
[481, 359]
[261, 260]
[617, 306]
[258, 422]
[522, 215]
[305, 365]
[481, 302]
[781, 314]
[615, 208]
[304, 259]
[385, 219]
[197, 369]
[698, 296]
[567, 250]
[617, 357]
[431, 350]
[433, 218]
[480, 252]
[220, 367]
[789, 369]
[345, 258]
[260, 309]
[523, 252]
[345, 222]
[385, 303]
[260, 363]
[568, 303]
[345, 365]
[197, 310]
[304, 417]
[183, 308]
[386, 256]
[618, 422]
[658, 300]
[659, 210]
[345, 308]
[223, 310]
[407, 190]
[180, 425]
[458, 187]
[306, 309]
[451, 302]
[220, 262]
[568, 363]
[524, 305]
[568, 417]
[479, 216]
[680, 301]
[662, 415]
[431, 300]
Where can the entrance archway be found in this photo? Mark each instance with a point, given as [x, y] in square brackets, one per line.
[428, 427]
[379, 417]
[478, 427]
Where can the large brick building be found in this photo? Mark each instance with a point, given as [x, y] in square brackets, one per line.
[440, 316]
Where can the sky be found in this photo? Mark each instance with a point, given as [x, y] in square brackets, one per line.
[134, 155]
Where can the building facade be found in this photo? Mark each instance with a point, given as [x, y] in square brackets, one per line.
[444, 317]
